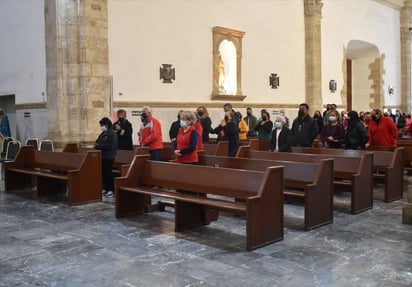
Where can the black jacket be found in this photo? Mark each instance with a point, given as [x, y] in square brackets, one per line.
[304, 131]
[207, 128]
[228, 133]
[284, 140]
[356, 136]
[124, 135]
[174, 129]
[107, 143]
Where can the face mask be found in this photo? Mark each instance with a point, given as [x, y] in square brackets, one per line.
[226, 118]
[143, 117]
[332, 119]
[200, 114]
[367, 120]
[265, 118]
[301, 113]
[103, 128]
[361, 118]
[183, 123]
[121, 120]
[374, 117]
[278, 125]
[249, 113]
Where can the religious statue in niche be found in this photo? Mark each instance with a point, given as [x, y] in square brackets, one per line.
[221, 76]
[167, 73]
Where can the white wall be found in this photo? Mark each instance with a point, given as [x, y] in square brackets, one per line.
[23, 64]
[22, 57]
[147, 33]
[369, 21]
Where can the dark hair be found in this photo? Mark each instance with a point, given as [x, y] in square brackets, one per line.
[305, 105]
[353, 118]
[106, 122]
[227, 105]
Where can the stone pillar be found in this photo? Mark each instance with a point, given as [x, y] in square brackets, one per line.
[78, 85]
[313, 69]
[406, 26]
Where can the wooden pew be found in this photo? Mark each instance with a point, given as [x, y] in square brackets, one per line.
[260, 192]
[78, 173]
[407, 154]
[353, 172]
[386, 164]
[221, 148]
[307, 183]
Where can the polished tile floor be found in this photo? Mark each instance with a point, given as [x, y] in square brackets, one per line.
[48, 243]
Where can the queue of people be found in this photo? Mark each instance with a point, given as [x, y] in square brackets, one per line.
[191, 131]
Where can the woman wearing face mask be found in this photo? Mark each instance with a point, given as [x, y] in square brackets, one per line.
[333, 134]
[281, 136]
[227, 131]
[264, 126]
[186, 141]
[107, 143]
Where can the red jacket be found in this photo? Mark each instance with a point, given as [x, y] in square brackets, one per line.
[383, 133]
[199, 130]
[186, 142]
[150, 134]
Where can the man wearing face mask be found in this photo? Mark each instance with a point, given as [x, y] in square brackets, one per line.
[107, 143]
[382, 130]
[124, 131]
[251, 121]
[150, 133]
[304, 129]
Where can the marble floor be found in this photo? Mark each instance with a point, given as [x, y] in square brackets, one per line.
[48, 243]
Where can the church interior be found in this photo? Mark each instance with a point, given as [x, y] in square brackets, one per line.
[66, 64]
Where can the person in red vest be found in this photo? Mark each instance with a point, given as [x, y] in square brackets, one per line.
[382, 130]
[150, 133]
[186, 141]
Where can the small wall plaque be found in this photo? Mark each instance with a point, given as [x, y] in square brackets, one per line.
[167, 73]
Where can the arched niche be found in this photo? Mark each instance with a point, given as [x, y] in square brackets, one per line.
[227, 64]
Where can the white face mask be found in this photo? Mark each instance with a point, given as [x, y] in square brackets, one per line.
[183, 123]
[332, 119]
[278, 125]
[103, 128]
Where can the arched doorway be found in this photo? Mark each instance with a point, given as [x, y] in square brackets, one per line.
[363, 76]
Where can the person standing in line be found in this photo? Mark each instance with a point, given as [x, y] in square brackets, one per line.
[206, 123]
[174, 128]
[252, 122]
[319, 120]
[242, 126]
[199, 129]
[356, 135]
[283, 113]
[264, 126]
[124, 131]
[382, 130]
[281, 138]
[304, 129]
[150, 133]
[333, 134]
[4, 124]
[227, 131]
[107, 143]
[187, 139]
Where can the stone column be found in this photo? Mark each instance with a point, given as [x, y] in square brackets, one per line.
[406, 26]
[313, 69]
[78, 86]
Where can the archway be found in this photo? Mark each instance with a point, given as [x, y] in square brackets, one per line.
[363, 76]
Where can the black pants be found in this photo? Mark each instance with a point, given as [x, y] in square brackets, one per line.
[155, 154]
[107, 174]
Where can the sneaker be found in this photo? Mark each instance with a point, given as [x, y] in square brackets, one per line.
[109, 194]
